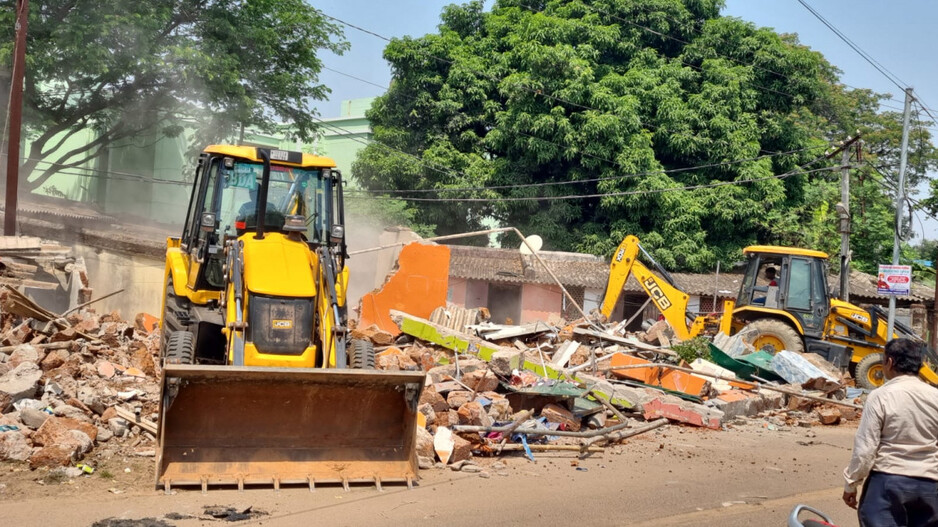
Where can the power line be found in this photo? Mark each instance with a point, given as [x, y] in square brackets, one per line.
[354, 77]
[695, 27]
[107, 173]
[888, 186]
[866, 56]
[591, 180]
[541, 184]
[602, 195]
[595, 180]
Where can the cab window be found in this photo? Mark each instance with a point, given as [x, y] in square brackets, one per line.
[799, 285]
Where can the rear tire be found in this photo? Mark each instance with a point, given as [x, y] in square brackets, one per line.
[773, 335]
[180, 348]
[870, 371]
[361, 355]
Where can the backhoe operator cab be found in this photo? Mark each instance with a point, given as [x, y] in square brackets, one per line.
[800, 297]
[301, 201]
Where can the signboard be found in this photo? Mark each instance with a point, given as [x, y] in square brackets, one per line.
[894, 280]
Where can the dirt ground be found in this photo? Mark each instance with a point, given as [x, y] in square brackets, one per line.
[676, 476]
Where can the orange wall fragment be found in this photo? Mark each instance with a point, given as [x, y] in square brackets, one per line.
[417, 287]
[657, 376]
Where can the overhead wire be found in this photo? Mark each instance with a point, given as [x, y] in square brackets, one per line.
[866, 56]
[695, 27]
[604, 194]
[347, 132]
[537, 92]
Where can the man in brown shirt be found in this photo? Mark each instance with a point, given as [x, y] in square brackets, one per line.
[896, 446]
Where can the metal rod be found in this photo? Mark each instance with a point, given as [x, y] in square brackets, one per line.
[88, 303]
[540, 432]
[524, 241]
[624, 434]
[547, 448]
[434, 239]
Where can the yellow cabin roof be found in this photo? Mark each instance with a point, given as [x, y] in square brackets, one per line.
[784, 251]
[250, 153]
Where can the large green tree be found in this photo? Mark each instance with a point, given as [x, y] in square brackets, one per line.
[125, 68]
[613, 99]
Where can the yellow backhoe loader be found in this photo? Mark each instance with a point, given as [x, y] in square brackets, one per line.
[793, 310]
[260, 385]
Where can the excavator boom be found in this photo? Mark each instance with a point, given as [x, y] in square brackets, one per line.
[671, 301]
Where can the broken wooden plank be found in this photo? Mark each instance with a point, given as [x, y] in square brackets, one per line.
[526, 330]
[133, 418]
[562, 356]
[632, 343]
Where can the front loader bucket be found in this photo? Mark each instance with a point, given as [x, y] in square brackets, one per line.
[231, 425]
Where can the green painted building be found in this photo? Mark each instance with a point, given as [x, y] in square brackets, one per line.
[150, 177]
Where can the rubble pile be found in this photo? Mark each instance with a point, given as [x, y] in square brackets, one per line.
[581, 385]
[71, 384]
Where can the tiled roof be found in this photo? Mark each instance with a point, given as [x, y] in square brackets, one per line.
[585, 270]
[572, 269]
[863, 287]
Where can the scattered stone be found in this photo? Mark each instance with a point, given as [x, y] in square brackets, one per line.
[424, 463]
[14, 446]
[829, 415]
[424, 443]
[33, 418]
[20, 383]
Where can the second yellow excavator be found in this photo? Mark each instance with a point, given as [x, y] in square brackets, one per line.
[793, 311]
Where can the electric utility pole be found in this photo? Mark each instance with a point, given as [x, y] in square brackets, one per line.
[15, 119]
[843, 211]
[900, 199]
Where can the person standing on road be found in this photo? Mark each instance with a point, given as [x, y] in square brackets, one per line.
[896, 446]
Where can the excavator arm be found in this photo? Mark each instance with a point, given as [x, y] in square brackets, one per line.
[671, 301]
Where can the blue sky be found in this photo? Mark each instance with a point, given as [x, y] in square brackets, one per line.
[900, 35]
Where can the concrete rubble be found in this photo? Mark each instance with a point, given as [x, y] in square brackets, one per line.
[580, 386]
[75, 385]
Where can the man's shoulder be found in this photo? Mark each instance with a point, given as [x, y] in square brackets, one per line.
[906, 384]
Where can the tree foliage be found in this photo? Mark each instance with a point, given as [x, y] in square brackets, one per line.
[667, 120]
[128, 68]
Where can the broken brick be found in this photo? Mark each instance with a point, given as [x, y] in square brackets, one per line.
[56, 431]
[829, 415]
[462, 449]
[457, 398]
[481, 380]
[472, 413]
[557, 414]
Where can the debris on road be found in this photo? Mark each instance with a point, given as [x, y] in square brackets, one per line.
[72, 384]
[578, 385]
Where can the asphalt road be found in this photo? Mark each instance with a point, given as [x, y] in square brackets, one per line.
[677, 476]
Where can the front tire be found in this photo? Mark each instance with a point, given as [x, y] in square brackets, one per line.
[870, 371]
[772, 335]
[180, 348]
[361, 355]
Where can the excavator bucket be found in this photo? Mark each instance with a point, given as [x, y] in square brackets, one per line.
[230, 425]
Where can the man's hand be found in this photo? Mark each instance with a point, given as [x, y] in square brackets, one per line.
[850, 498]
